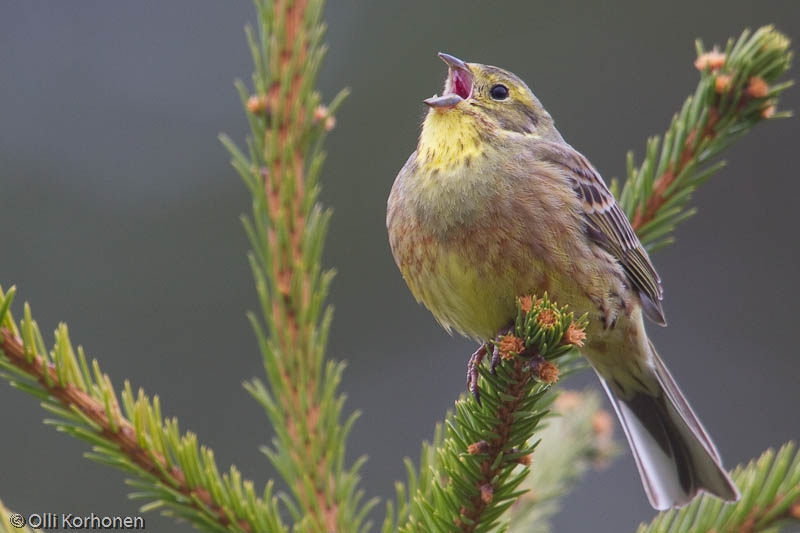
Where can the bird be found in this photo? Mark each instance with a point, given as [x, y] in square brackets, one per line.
[494, 204]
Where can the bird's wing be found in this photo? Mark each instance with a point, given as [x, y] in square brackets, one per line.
[608, 226]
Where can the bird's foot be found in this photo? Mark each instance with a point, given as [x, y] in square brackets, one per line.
[477, 359]
[495, 359]
[472, 371]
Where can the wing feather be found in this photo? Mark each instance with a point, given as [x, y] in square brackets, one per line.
[609, 227]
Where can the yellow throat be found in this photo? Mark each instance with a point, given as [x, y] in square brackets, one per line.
[450, 139]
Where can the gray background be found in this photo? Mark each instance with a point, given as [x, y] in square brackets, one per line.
[119, 214]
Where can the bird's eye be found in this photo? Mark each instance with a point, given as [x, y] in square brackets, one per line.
[498, 92]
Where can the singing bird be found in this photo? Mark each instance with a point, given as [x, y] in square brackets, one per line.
[494, 204]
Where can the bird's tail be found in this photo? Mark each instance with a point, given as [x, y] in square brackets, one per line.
[674, 454]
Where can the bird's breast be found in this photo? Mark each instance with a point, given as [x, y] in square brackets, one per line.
[466, 265]
[470, 240]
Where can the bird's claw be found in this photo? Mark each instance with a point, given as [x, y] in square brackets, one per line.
[535, 363]
[477, 359]
[495, 360]
[472, 372]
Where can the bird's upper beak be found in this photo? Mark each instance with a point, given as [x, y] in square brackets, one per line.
[458, 86]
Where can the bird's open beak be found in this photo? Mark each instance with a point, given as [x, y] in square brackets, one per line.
[458, 86]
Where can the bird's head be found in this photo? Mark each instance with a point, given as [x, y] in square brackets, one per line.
[491, 97]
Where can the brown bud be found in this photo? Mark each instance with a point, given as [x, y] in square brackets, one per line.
[547, 318]
[526, 303]
[526, 460]
[575, 335]
[548, 372]
[487, 493]
[602, 424]
[461, 512]
[257, 103]
[478, 447]
[722, 83]
[568, 400]
[508, 346]
[712, 60]
[757, 87]
[768, 111]
[323, 115]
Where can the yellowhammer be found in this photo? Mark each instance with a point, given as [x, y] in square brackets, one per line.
[493, 205]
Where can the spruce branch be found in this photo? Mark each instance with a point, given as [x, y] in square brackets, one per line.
[167, 469]
[770, 487]
[420, 485]
[738, 89]
[474, 475]
[286, 230]
[577, 437]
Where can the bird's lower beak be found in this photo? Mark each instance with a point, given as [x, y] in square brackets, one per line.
[446, 100]
[457, 87]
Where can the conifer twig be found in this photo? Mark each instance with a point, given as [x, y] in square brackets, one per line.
[475, 474]
[737, 90]
[166, 467]
[286, 231]
[577, 437]
[770, 487]
[112, 426]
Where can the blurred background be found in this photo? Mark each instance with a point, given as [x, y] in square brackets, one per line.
[119, 214]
